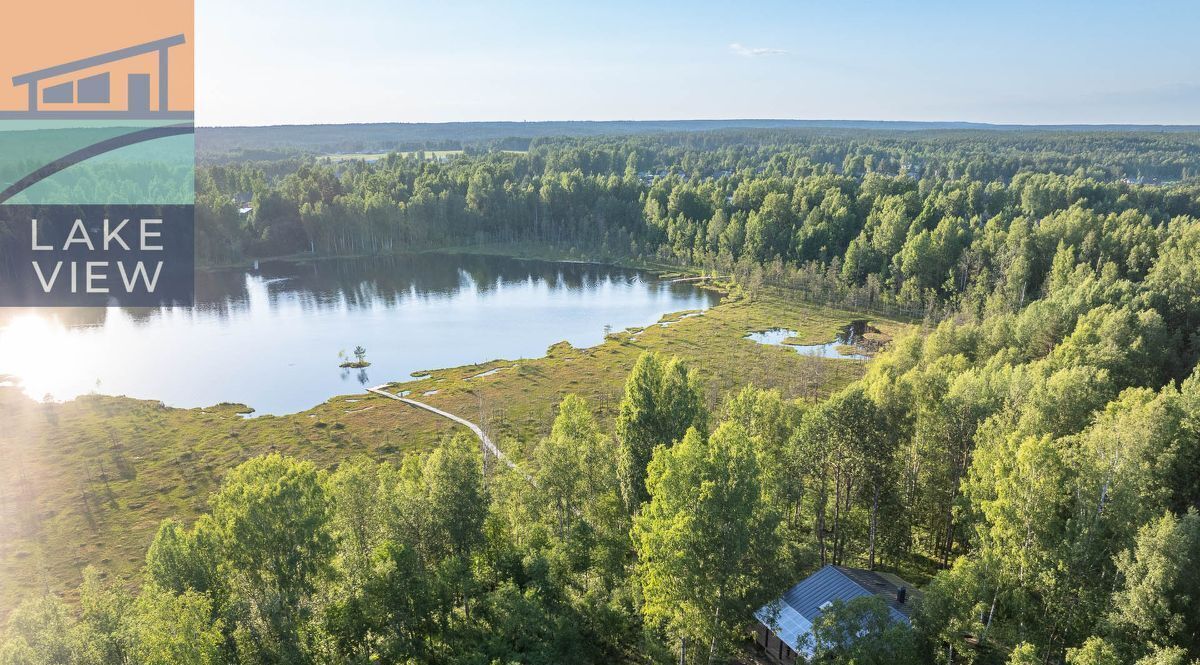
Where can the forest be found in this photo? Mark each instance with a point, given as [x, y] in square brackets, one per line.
[1031, 454]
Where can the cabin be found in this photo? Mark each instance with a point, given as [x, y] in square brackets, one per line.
[784, 629]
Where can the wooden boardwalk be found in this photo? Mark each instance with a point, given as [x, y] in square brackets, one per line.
[483, 438]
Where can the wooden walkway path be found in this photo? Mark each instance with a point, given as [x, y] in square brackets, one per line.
[483, 438]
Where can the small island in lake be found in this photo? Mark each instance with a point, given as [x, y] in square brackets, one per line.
[360, 361]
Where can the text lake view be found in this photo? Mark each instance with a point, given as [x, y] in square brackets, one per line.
[271, 337]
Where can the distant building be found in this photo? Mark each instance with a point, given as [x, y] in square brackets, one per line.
[787, 633]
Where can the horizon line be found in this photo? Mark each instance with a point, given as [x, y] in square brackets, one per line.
[962, 123]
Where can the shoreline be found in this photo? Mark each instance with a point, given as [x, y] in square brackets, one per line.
[248, 411]
[722, 286]
[532, 252]
[437, 375]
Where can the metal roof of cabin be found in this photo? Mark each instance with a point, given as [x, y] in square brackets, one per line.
[791, 616]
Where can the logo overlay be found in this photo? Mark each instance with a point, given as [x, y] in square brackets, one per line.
[97, 154]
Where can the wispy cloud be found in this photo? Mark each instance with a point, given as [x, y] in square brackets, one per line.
[752, 52]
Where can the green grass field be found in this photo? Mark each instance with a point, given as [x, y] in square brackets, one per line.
[375, 156]
[88, 481]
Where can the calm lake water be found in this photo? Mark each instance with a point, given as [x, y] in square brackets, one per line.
[270, 337]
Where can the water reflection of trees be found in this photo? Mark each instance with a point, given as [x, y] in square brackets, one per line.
[360, 375]
[367, 283]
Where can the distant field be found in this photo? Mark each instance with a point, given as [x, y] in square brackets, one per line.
[88, 481]
[354, 156]
[216, 142]
[374, 156]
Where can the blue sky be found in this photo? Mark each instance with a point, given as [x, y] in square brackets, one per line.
[317, 61]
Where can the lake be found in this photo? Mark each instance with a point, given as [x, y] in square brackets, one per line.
[270, 337]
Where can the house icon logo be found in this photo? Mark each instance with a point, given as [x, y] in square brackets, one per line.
[84, 87]
[97, 89]
[108, 60]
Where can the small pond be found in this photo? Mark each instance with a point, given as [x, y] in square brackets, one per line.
[839, 348]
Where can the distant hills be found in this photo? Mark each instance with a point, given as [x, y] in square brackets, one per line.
[272, 141]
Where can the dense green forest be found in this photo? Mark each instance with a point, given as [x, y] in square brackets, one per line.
[901, 217]
[1032, 454]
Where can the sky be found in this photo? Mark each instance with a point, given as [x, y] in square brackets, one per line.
[269, 62]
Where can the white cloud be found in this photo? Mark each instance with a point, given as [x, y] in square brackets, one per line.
[749, 52]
